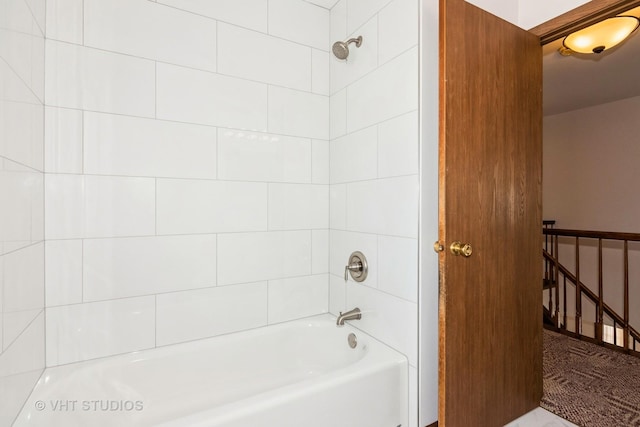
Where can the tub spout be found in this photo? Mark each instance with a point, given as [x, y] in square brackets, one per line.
[349, 315]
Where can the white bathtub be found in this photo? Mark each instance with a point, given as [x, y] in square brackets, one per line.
[301, 373]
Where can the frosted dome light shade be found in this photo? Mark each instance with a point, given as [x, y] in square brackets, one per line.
[603, 35]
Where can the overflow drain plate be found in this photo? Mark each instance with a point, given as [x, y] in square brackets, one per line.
[353, 340]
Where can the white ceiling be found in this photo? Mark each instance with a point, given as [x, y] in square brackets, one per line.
[579, 81]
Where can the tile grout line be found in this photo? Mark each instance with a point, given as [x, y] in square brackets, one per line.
[194, 124]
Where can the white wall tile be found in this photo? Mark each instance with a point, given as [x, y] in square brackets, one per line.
[398, 267]
[16, 323]
[300, 21]
[389, 91]
[1, 296]
[190, 315]
[338, 206]
[296, 113]
[24, 53]
[298, 206]
[253, 156]
[320, 79]
[78, 206]
[320, 158]
[298, 297]
[90, 79]
[245, 13]
[62, 140]
[21, 198]
[24, 280]
[121, 145]
[63, 272]
[398, 145]
[20, 368]
[354, 157]
[386, 206]
[200, 97]
[255, 56]
[14, 88]
[360, 11]
[319, 251]
[398, 206]
[141, 28]
[15, 391]
[338, 114]
[37, 8]
[271, 255]
[18, 17]
[337, 295]
[86, 331]
[342, 244]
[327, 4]
[21, 202]
[398, 28]
[64, 20]
[189, 206]
[116, 268]
[25, 354]
[363, 204]
[22, 133]
[392, 320]
[361, 60]
[338, 18]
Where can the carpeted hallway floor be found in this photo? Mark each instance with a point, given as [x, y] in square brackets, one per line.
[590, 385]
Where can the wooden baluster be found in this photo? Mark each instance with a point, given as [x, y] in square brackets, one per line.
[546, 249]
[626, 295]
[547, 273]
[600, 314]
[564, 303]
[556, 278]
[578, 329]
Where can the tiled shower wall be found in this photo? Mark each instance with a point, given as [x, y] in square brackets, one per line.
[191, 183]
[22, 337]
[187, 170]
[374, 171]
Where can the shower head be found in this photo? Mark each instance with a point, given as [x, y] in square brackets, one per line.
[341, 49]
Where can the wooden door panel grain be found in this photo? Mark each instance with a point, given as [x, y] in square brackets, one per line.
[490, 196]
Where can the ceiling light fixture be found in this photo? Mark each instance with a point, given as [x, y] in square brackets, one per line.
[600, 36]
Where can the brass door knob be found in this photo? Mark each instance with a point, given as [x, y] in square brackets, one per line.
[459, 248]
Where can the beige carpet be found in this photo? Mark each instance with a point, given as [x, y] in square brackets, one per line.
[590, 385]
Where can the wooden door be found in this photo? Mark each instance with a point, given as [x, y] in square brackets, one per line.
[490, 197]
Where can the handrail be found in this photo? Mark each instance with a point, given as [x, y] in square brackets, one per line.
[606, 235]
[554, 270]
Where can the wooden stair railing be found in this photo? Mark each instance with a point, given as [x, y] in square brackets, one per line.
[556, 272]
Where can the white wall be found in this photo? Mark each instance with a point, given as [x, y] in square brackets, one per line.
[21, 202]
[187, 170]
[374, 171]
[428, 280]
[590, 183]
[590, 167]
